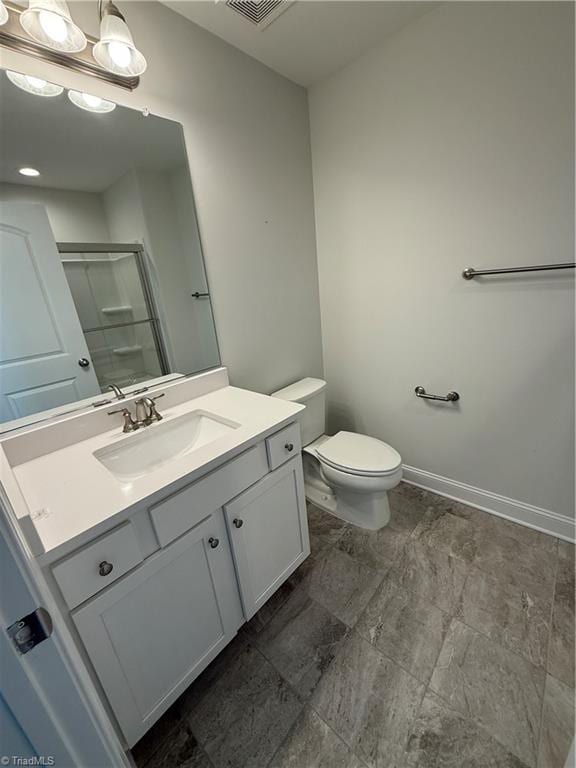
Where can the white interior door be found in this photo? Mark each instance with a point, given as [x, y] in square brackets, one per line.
[43, 352]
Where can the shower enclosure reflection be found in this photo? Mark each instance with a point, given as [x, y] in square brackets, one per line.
[102, 277]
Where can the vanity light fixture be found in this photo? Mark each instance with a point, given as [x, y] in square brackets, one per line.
[91, 103]
[4, 16]
[34, 85]
[49, 22]
[28, 171]
[115, 51]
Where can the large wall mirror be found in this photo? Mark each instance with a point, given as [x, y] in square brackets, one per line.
[102, 278]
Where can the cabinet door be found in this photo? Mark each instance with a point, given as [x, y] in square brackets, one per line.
[269, 533]
[149, 635]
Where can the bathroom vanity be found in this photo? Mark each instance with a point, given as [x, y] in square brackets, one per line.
[159, 544]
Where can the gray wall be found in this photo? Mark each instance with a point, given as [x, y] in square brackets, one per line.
[451, 146]
[248, 144]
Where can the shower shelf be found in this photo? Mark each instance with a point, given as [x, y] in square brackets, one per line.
[121, 309]
[131, 350]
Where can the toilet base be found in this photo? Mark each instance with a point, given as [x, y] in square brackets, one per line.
[369, 511]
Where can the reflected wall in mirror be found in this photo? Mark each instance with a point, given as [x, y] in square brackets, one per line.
[102, 278]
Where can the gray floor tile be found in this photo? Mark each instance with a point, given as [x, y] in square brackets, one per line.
[443, 738]
[407, 507]
[432, 573]
[499, 526]
[301, 640]
[561, 650]
[312, 744]
[369, 701]
[557, 724]
[421, 501]
[496, 688]
[379, 549]
[325, 529]
[180, 751]
[515, 618]
[406, 628]
[439, 529]
[523, 566]
[242, 719]
[343, 585]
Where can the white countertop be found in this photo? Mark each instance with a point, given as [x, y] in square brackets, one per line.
[69, 492]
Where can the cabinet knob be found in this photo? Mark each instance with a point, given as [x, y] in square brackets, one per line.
[213, 542]
[105, 568]
[237, 522]
[289, 447]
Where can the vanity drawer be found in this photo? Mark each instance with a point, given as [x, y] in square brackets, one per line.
[88, 571]
[283, 445]
[185, 509]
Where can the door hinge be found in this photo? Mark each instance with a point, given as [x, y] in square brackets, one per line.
[29, 631]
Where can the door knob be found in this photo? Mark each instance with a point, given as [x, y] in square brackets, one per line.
[104, 569]
[237, 522]
[84, 362]
[213, 542]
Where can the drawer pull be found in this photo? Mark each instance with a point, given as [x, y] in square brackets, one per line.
[237, 522]
[289, 447]
[105, 568]
[213, 542]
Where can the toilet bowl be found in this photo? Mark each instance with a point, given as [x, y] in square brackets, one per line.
[347, 474]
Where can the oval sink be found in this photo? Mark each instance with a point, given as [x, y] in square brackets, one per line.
[139, 454]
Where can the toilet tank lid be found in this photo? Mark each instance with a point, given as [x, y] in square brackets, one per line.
[301, 390]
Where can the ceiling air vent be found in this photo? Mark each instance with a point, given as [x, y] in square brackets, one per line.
[261, 13]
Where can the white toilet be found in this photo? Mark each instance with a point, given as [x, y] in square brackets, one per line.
[348, 474]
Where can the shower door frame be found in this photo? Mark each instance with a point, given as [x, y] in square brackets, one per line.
[151, 307]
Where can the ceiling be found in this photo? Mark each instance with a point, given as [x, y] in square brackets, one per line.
[79, 150]
[311, 39]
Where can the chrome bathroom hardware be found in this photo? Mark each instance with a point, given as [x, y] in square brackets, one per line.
[470, 272]
[129, 424]
[146, 412]
[198, 295]
[84, 362]
[451, 397]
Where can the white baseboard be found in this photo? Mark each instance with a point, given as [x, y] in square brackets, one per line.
[517, 511]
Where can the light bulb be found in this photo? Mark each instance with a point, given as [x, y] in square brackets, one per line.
[120, 54]
[90, 103]
[36, 82]
[29, 172]
[35, 85]
[53, 25]
[4, 15]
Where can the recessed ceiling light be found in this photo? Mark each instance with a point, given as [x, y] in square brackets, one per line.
[35, 85]
[28, 171]
[90, 103]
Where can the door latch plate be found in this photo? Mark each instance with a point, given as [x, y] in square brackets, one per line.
[29, 631]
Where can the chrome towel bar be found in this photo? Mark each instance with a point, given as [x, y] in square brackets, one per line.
[451, 397]
[470, 272]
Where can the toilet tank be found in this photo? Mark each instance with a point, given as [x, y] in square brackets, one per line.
[312, 394]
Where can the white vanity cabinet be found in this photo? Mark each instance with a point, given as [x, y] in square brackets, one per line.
[268, 529]
[152, 633]
[156, 598]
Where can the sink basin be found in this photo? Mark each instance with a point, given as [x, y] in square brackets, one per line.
[139, 454]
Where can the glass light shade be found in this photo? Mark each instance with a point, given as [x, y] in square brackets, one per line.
[34, 85]
[3, 13]
[49, 22]
[91, 103]
[115, 51]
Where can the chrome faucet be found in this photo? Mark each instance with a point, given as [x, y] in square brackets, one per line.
[146, 413]
[117, 391]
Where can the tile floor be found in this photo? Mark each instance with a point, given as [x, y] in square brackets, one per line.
[445, 640]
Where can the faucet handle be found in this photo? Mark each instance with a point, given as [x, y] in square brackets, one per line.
[153, 414]
[129, 424]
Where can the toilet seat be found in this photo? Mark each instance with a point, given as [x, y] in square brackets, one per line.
[361, 455]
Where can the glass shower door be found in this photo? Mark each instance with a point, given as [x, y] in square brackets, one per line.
[114, 302]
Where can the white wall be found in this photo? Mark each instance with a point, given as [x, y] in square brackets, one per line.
[246, 131]
[452, 146]
[75, 217]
